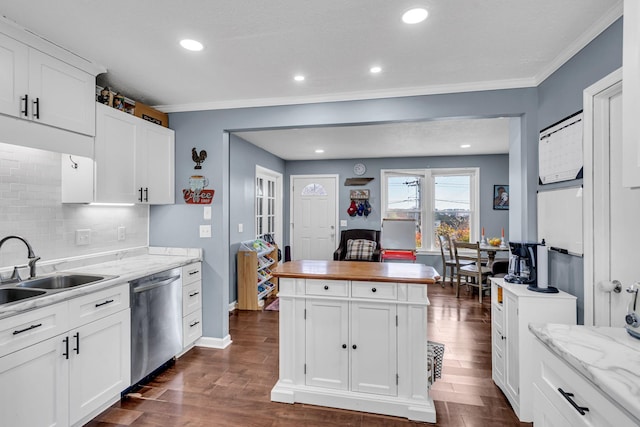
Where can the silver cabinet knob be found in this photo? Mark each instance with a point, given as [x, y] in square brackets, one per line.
[612, 286]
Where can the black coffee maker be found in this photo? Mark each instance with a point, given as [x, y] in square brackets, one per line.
[522, 263]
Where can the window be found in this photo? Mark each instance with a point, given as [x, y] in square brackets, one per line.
[265, 206]
[442, 201]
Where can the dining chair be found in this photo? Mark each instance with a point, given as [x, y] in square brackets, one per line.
[470, 252]
[448, 259]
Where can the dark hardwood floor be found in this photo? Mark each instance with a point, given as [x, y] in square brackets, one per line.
[231, 387]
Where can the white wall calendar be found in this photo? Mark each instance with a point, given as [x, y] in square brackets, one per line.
[560, 150]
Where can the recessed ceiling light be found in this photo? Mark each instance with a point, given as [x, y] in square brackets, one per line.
[415, 16]
[465, 146]
[298, 78]
[193, 45]
[375, 70]
[319, 151]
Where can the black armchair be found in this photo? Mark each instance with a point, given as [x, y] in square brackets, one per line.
[357, 233]
[500, 267]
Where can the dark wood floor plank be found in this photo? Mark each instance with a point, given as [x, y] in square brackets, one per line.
[231, 387]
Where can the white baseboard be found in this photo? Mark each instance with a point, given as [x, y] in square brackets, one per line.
[233, 306]
[219, 343]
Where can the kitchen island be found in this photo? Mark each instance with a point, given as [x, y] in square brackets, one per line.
[353, 335]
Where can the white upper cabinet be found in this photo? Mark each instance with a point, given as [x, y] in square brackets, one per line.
[134, 159]
[39, 87]
[14, 60]
[61, 95]
[631, 98]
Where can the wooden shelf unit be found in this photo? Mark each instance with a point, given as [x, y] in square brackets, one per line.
[255, 281]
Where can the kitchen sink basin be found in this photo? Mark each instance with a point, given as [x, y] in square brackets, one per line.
[13, 294]
[61, 281]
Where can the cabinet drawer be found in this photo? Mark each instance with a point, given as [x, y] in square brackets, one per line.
[554, 374]
[97, 305]
[376, 290]
[336, 288]
[25, 329]
[191, 298]
[191, 273]
[497, 315]
[191, 328]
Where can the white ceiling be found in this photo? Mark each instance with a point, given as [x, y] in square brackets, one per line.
[433, 138]
[253, 49]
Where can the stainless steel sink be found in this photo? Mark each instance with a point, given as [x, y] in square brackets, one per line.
[13, 294]
[60, 281]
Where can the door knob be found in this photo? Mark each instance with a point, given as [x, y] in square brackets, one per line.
[612, 286]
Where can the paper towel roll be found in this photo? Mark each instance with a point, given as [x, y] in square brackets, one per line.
[543, 267]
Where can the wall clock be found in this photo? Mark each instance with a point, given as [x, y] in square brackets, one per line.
[359, 169]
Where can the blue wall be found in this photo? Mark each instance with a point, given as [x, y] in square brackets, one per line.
[177, 225]
[559, 96]
[494, 169]
[243, 158]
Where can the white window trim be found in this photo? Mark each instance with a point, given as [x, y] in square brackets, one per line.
[427, 202]
[279, 218]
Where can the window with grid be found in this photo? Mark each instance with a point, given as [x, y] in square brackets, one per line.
[442, 201]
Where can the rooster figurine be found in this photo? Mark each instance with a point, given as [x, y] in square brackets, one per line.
[198, 158]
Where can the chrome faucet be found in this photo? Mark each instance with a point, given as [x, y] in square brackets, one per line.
[30, 254]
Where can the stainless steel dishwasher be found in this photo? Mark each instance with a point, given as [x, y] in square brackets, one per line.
[156, 321]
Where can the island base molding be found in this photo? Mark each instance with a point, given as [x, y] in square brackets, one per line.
[422, 410]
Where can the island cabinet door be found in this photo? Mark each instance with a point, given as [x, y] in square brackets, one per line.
[327, 340]
[374, 348]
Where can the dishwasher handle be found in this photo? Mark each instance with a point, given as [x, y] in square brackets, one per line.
[156, 284]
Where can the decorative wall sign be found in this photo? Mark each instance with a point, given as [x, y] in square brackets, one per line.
[203, 197]
[196, 194]
[198, 157]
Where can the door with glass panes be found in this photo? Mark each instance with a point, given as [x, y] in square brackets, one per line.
[268, 203]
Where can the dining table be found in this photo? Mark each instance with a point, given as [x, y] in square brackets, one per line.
[492, 250]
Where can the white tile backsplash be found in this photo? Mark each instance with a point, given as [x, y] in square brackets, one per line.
[30, 206]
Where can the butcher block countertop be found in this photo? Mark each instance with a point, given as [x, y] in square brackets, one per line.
[358, 270]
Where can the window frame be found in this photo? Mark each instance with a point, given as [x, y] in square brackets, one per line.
[427, 202]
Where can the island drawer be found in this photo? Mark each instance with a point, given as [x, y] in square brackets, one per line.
[375, 290]
[25, 329]
[336, 288]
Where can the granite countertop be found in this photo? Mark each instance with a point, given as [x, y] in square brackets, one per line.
[121, 267]
[608, 357]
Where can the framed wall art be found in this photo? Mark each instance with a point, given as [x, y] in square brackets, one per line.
[501, 197]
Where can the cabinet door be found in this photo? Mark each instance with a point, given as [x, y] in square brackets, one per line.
[99, 363]
[115, 155]
[374, 348]
[511, 356]
[155, 164]
[34, 385]
[14, 70]
[327, 339]
[65, 95]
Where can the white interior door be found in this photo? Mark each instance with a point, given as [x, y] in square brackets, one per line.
[615, 233]
[314, 216]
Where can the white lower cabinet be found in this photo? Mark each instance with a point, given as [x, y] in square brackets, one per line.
[34, 384]
[564, 397]
[513, 307]
[62, 379]
[99, 363]
[354, 345]
[191, 304]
